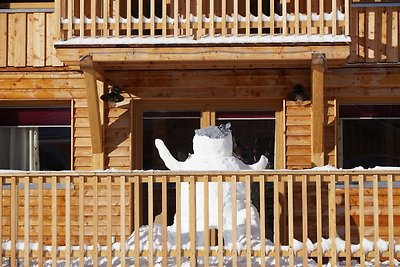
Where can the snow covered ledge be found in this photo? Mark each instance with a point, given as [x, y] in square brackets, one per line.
[170, 52]
[255, 39]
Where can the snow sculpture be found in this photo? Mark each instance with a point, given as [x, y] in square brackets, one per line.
[213, 151]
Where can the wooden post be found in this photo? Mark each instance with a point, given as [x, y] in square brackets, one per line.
[280, 136]
[92, 97]
[57, 11]
[317, 124]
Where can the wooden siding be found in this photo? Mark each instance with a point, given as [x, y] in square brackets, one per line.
[82, 156]
[368, 85]
[375, 35]
[27, 40]
[298, 135]
[118, 138]
[330, 130]
[208, 84]
[369, 199]
[40, 86]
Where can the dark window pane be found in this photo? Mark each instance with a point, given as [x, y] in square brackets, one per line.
[370, 143]
[369, 111]
[253, 134]
[55, 148]
[176, 129]
[34, 116]
[370, 135]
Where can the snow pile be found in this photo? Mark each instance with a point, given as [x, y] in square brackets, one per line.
[157, 246]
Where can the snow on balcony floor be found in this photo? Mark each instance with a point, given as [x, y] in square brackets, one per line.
[241, 39]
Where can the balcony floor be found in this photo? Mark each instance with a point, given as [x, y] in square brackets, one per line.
[115, 53]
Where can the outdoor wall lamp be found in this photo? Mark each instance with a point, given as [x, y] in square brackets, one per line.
[113, 97]
[298, 94]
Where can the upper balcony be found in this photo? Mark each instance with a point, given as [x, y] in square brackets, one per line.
[275, 29]
[282, 21]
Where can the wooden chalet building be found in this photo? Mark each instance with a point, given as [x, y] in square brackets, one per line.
[307, 83]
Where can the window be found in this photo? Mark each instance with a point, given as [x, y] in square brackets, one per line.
[34, 138]
[175, 128]
[253, 134]
[369, 135]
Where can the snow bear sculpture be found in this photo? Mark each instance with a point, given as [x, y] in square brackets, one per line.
[213, 151]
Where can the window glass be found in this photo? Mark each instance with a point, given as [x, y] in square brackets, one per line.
[370, 135]
[253, 134]
[34, 116]
[175, 128]
[55, 148]
[35, 138]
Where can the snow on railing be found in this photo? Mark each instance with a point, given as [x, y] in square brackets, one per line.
[329, 210]
[264, 18]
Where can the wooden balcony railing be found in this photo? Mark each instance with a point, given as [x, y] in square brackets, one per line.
[200, 19]
[375, 33]
[70, 215]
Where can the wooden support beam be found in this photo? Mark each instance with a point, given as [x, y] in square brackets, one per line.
[318, 65]
[202, 57]
[92, 96]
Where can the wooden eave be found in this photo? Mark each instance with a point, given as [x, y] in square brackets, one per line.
[114, 58]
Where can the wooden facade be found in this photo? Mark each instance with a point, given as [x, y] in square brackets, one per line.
[72, 52]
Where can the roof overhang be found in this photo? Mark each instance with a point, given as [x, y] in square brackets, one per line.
[216, 56]
[99, 62]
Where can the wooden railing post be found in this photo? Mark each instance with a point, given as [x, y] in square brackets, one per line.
[347, 17]
[14, 220]
[57, 11]
[332, 219]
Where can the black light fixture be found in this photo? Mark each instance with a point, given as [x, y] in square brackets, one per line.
[113, 97]
[298, 94]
